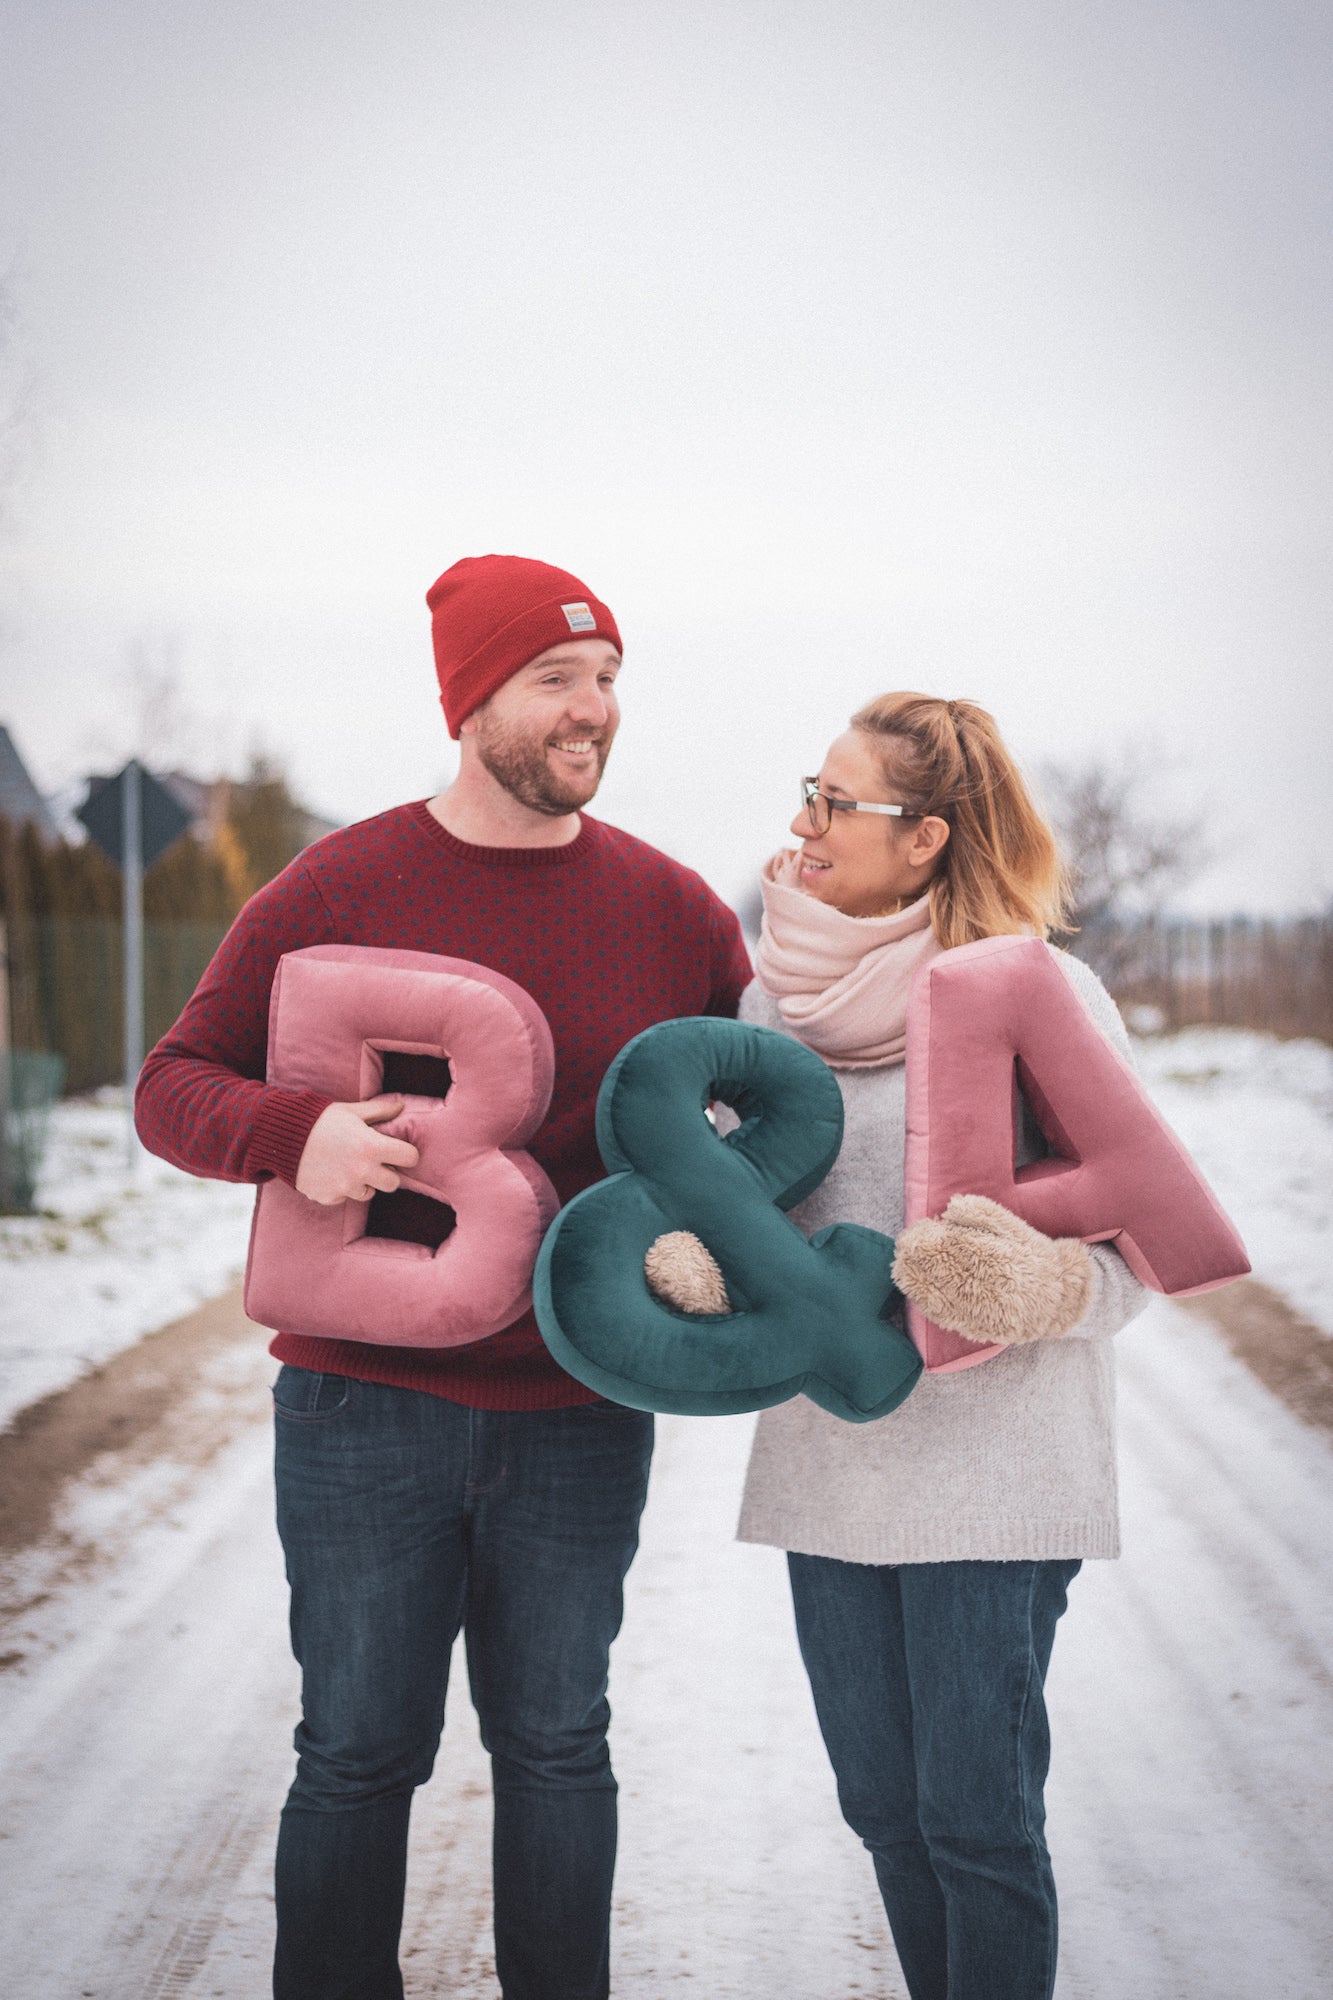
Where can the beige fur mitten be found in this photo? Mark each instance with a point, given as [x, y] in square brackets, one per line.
[988, 1275]
[684, 1273]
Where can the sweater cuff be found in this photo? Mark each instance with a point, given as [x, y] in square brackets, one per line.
[282, 1126]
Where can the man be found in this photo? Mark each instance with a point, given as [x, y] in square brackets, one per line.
[424, 1489]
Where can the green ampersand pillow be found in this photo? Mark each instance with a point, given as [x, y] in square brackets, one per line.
[797, 1316]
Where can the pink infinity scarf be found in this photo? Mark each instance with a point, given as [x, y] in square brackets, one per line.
[840, 982]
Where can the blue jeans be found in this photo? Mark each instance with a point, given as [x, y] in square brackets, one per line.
[404, 1517]
[928, 1680]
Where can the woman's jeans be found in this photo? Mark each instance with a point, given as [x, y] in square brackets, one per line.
[404, 1516]
[927, 1679]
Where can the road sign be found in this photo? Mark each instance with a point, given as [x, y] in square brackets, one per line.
[162, 819]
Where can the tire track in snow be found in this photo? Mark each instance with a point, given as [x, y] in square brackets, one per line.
[147, 1742]
[446, 1951]
[1191, 1805]
[200, 1877]
[145, 1746]
[737, 1878]
[1288, 1352]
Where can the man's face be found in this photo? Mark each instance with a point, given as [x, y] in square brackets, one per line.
[546, 734]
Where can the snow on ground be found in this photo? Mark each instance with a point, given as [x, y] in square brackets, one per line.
[1257, 1114]
[1190, 1797]
[114, 1252]
[145, 1741]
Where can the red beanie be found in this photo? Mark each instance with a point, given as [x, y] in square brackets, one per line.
[490, 615]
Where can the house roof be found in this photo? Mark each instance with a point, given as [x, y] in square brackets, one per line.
[19, 798]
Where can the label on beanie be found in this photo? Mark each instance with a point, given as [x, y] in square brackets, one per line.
[579, 617]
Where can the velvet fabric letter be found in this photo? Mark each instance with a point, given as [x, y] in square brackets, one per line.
[448, 1258]
[991, 1023]
[813, 1316]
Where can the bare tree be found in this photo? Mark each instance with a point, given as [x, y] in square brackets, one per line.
[166, 729]
[153, 718]
[1129, 852]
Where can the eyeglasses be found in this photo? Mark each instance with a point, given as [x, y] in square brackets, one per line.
[820, 807]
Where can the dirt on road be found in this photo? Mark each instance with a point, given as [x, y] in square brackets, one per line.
[1288, 1354]
[146, 1713]
[158, 1399]
[171, 1397]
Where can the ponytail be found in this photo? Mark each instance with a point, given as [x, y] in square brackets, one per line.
[1000, 870]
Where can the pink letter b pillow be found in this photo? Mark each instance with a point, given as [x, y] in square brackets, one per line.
[472, 1054]
[990, 1019]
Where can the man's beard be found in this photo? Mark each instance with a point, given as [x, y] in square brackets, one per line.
[518, 762]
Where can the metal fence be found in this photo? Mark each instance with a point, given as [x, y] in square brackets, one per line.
[1243, 972]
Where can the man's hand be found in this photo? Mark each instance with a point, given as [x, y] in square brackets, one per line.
[346, 1159]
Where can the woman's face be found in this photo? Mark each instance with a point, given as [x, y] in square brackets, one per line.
[867, 864]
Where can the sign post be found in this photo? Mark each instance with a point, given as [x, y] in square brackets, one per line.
[131, 802]
[133, 819]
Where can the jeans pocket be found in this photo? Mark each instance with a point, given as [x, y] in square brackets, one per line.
[304, 1396]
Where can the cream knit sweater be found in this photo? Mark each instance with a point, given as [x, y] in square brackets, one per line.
[1011, 1460]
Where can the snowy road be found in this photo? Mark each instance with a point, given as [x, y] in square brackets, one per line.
[146, 1727]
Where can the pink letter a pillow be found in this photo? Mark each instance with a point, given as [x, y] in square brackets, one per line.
[991, 1019]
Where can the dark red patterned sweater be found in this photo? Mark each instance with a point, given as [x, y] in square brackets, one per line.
[606, 934]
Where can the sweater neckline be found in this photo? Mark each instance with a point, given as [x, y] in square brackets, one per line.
[574, 850]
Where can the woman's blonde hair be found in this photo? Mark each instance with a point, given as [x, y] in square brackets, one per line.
[1000, 871]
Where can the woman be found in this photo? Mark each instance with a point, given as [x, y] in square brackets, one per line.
[930, 1552]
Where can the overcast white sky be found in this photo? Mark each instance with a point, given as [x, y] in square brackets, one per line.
[981, 346]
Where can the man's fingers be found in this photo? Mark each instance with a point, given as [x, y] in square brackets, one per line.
[391, 1159]
[396, 1152]
[393, 1152]
[348, 1158]
[389, 1152]
[375, 1110]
